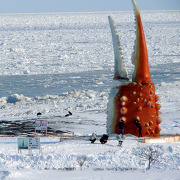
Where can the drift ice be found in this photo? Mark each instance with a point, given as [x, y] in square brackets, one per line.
[133, 100]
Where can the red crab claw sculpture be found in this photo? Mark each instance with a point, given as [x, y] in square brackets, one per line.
[134, 100]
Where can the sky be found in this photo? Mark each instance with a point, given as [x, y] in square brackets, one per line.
[45, 6]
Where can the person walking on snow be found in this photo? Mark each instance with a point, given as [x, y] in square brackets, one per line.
[121, 126]
[137, 123]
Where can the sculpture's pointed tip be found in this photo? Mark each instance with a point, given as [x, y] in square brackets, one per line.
[140, 54]
[120, 70]
[136, 9]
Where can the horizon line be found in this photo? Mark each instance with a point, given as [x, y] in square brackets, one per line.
[83, 12]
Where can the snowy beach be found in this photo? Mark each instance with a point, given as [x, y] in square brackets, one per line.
[55, 63]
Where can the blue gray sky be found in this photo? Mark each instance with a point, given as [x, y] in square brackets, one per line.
[45, 6]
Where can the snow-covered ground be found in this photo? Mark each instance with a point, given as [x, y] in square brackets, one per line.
[61, 160]
[53, 63]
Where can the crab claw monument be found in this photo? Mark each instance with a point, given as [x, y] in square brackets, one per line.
[133, 100]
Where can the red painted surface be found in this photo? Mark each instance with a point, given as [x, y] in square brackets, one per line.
[142, 72]
[139, 102]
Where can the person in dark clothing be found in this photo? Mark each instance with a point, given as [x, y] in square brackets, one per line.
[121, 126]
[104, 139]
[137, 123]
[39, 114]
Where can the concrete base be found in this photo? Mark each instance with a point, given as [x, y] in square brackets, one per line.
[168, 139]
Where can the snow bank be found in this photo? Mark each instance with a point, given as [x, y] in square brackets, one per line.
[66, 156]
[17, 98]
[19, 106]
